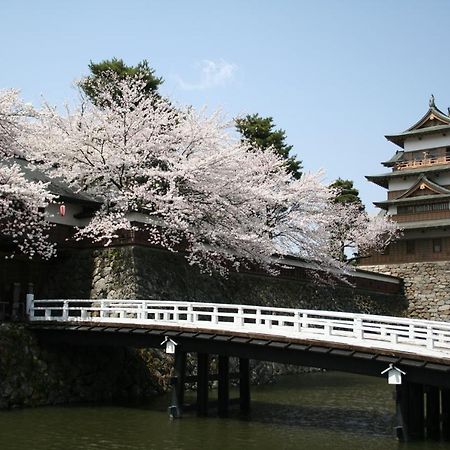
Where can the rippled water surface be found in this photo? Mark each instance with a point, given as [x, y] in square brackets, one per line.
[313, 411]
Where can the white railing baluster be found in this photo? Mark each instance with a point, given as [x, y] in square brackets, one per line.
[358, 328]
[215, 317]
[240, 317]
[298, 321]
[411, 332]
[258, 319]
[304, 321]
[144, 310]
[65, 312]
[430, 340]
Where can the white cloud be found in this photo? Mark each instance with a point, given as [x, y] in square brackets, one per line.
[212, 74]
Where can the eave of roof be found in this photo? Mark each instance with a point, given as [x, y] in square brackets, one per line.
[56, 187]
[382, 179]
[396, 158]
[440, 223]
[399, 138]
[411, 200]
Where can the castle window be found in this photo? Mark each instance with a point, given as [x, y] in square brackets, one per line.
[437, 245]
[424, 207]
[410, 247]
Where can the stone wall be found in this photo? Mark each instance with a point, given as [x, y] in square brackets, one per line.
[144, 273]
[426, 285]
[34, 375]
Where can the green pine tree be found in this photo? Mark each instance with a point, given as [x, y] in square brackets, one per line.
[260, 132]
[101, 75]
[347, 193]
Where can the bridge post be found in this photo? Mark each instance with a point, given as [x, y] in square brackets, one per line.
[410, 411]
[244, 384]
[177, 382]
[224, 385]
[401, 406]
[432, 408]
[416, 428]
[445, 399]
[202, 383]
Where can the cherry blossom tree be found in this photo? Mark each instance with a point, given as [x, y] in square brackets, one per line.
[355, 235]
[22, 201]
[180, 174]
[13, 122]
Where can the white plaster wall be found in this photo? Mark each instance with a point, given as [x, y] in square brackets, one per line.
[400, 183]
[426, 142]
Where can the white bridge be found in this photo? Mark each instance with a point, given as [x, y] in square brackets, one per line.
[412, 336]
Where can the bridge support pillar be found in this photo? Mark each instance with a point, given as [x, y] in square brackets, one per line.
[224, 385]
[445, 400]
[244, 384]
[178, 384]
[432, 419]
[202, 383]
[410, 411]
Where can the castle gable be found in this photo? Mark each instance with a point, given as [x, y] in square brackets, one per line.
[424, 186]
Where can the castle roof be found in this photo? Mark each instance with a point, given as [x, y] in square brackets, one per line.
[427, 189]
[396, 158]
[433, 121]
[425, 224]
[383, 179]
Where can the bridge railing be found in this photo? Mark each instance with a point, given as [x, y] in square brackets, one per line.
[420, 336]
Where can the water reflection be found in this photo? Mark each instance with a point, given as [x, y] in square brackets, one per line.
[313, 411]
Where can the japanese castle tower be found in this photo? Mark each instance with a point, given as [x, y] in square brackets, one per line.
[418, 198]
[418, 186]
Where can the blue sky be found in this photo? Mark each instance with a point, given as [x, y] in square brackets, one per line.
[336, 75]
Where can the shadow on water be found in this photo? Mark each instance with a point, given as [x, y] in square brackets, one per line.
[360, 421]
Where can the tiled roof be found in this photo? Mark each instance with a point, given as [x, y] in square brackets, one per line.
[57, 187]
[410, 200]
[382, 179]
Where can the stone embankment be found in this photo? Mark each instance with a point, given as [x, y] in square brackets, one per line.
[31, 375]
[426, 286]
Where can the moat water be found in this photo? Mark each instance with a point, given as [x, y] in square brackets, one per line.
[312, 411]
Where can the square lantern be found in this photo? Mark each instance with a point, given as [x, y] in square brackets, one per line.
[170, 345]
